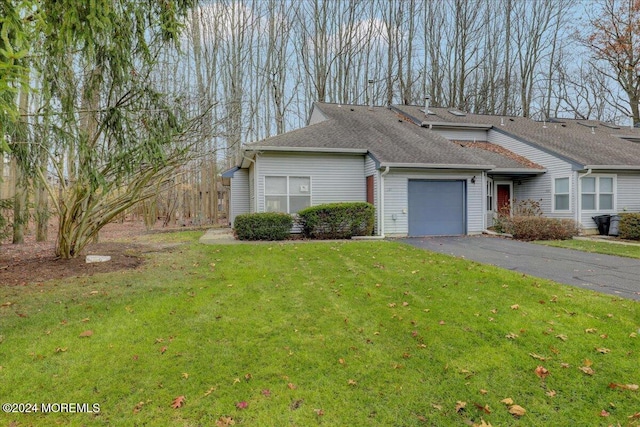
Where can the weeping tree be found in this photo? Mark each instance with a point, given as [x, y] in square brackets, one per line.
[113, 137]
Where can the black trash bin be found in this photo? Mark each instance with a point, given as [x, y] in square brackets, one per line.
[613, 225]
[602, 222]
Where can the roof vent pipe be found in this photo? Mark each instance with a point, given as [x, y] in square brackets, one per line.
[426, 105]
[370, 94]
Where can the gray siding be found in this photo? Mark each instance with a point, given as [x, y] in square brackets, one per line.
[397, 203]
[370, 169]
[334, 178]
[539, 187]
[463, 134]
[239, 194]
[628, 195]
[627, 198]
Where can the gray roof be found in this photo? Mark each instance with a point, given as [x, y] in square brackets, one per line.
[390, 137]
[585, 142]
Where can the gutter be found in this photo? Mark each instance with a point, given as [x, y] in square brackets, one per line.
[438, 166]
[255, 148]
[381, 216]
[612, 167]
[454, 125]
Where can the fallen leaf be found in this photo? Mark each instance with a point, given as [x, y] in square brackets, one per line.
[248, 376]
[603, 350]
[163, 349]
[561, 337]
[494, 310]
[185, 375]
[634, 416]
[511, 336]
[632, 387]
[537, 356]
[483, 391]
[138, 407]
[542, 372]
[551, 393]
[225, 421]
[508, 401]
[208, 392]
[341, 361]
[292, 386]
[436, 406]
[587, 362]
[460, 405]
[178, 402]
[590, 330]
[515, 307]
[565, 365]
[352, 382]
[319, 412]
[604, 413]
[86, 333]
[484, 408]
[483, 423]
[266, 392]
[242, 405]
[517, 410]
[404, 304]
[442, 322]
[587, 370]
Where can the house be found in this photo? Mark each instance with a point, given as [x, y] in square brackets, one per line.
[437, 171]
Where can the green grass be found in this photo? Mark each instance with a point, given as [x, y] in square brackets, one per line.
[630, 251]
[333, 334]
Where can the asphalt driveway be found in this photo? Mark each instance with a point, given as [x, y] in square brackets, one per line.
[603, 273]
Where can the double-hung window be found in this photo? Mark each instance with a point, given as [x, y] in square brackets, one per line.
[288, 194]
[561, 194]
[597, 193]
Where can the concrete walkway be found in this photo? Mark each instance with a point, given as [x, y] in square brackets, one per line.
[603, 273]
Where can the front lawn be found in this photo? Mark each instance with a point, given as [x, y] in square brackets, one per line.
[630, 251]
[334, 334]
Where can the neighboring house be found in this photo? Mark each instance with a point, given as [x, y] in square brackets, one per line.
[442, 172]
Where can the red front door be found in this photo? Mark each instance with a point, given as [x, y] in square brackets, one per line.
[504, 198]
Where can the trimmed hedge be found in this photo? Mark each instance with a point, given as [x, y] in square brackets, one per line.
[337, 220]
[263, 226]
[540, 228]
[629, 227]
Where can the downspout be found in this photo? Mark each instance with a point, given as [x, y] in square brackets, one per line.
[255, 183]
[381, 216]
[579, 195]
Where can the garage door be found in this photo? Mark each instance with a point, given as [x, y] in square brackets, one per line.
[436, 208]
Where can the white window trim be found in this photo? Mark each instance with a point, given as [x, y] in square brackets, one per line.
[614, 184]
[553, 194]
[490, 192]
[288, 195]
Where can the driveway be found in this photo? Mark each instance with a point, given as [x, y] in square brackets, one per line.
[603, 273]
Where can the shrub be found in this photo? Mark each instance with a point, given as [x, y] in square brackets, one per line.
[337, 220]
[263, 226]
[629, 227]
[541, 228]
[528, 223]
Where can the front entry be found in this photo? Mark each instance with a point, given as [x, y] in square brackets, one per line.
[503, 199]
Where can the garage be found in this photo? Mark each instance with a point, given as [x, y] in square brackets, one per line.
[437, 208]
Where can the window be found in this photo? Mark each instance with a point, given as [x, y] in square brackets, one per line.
[288, 194]
[489, 194]
[561, 194]
[597, 193]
